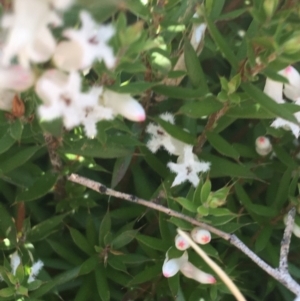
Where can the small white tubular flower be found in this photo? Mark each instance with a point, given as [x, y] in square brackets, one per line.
[29, 37]
[61, 4]
[172, 266]
[274, 90]
[15, 260]
[291, 90]
[201, 236]
[263, 145]
[160, 138]
[187, 167]
[35, 269]
[85, 45]
[197, 33]
[124, 105]
[15, 78]
[190, 271]
[180, 243]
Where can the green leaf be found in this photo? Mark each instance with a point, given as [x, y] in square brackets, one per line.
[34, 285]
[220, 212]
[133, 88]
[45, 228]
[187, 204]
[120, 168]
[89, 265]
[6, 142]
[284, 157]
[225, 48]
[101, 281]
[18, 159]
[7, 292]
[16, 129]
[93, 148]
[205, 191]
[147, 274]
[178, 92]
[7, 226]
[263, 210]
[104, 228]
[124, 239]
[193, 66]
[81, 242]
[267, 102]
[221, 145]
[176, 131]
[283, 188]
[263, 238]
[39, 188]
[221, 167]
[153, 243]
[200, 108]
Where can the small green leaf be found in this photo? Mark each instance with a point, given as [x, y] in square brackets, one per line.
[101, 281]
[89, 265]
[39, 188]
[187, 204]
[7, 292]
[16, 129]
[263, 238]
[32, 286]
[200, 108]
[263, 210]
[153, 243]
[205, 191]
[221, 145]
[120, 168]
[81, 242]
[147, 274]
[6, 142]
[178, 92]
[267, 102]
[104, 228]
[124, 239]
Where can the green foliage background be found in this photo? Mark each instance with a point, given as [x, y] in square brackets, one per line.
[100, 248]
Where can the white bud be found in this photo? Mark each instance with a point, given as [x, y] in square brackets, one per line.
[263, 145]
[172, 266]
[201, 236]
[181, 243]
[190, 271]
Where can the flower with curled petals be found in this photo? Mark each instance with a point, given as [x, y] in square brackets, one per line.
[187, 167]
[85, 45]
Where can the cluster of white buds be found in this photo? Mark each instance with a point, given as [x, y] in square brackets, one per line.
[263, 145]
[291, 90]
[188, 165]
[199, 235]
[172, 266]
[29, 40]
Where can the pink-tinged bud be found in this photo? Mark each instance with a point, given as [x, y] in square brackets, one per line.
[190, 271]
[180, 243]
[291, 90]
[124, 105]
[16, 78]
[201, 236]
[274, 90]
[263, 145]
[172, 266]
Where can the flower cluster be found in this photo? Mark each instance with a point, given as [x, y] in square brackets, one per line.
[188, 165]
[291, 90]
[172, 266]
[30, 40]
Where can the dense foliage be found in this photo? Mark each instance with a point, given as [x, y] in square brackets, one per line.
[95, 247]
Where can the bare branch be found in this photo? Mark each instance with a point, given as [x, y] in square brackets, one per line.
[286, 240]
[282, 277]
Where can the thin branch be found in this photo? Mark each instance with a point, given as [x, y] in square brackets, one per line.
[286, 240]
[282, 277]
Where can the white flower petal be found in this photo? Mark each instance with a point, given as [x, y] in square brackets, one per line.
[190, 271]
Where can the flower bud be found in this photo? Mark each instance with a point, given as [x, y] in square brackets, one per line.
[180, 243]
[263, 145]
[291, 90]
[124, 105]
[201, 236]
[172, 266]
[190, 271]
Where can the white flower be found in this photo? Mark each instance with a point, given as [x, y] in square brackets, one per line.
[63, 98]
[124, 105]
[85, 45]
[29, 37]
[187, 167]
[297, 298]
[291, 90]
[181, 243]
[263, 145]
[172, 266]
[160, 138]
[61, 4]
[197, 33]
[190, 271]
[201, 236]
[15, 261]
[274, 90]
[35, 269]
